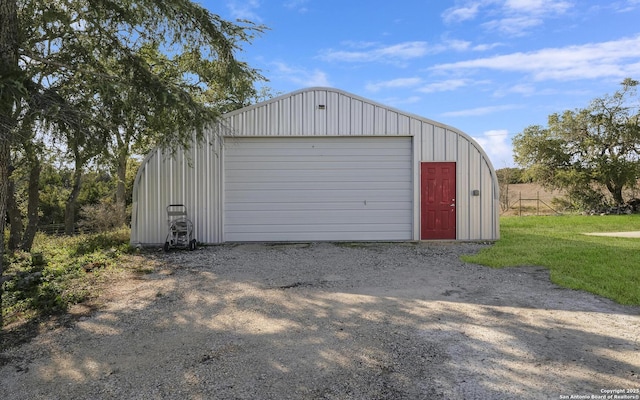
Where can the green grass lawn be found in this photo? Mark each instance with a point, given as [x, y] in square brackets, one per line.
[607, 266]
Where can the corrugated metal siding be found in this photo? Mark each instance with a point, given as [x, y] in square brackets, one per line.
[300, 114]
[339, 188]
[188, 178]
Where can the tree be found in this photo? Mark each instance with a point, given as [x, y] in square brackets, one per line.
[157, 72]
[11, 90]
[28, 158]
[150, 72]
[583, 150]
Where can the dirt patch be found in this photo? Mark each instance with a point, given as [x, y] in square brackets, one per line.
[322, 321]
[632, 234]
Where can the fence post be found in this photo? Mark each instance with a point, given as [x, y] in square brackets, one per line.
[520, 205]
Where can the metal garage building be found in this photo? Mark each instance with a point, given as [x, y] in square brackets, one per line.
[322, 164]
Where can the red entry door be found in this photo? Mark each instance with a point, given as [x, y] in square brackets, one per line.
[438, 198]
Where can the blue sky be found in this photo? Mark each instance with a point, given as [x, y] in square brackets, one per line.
[487, 67]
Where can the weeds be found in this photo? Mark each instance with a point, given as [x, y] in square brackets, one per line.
[60, 272]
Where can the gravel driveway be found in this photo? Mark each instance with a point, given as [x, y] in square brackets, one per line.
[327, 321]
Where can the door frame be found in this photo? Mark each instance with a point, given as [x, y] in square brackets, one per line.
[449, 234]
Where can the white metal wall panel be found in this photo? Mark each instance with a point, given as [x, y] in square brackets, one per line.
[344, 108]
[474, 171]
[337, 188]
[451, 146]
[356, 117]
[333, 114]
[186, 177]
[462, 182]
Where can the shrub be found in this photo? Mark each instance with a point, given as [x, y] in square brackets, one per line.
[587, 199]
[101, 217]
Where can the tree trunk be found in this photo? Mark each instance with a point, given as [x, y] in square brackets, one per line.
[616, 192]
[121, 175]
[617, 196]
[70, 208]
[15, 219]
[8, 68]
[4, 190]
[34, 200]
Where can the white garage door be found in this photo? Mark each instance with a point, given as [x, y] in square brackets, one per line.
[306, 189]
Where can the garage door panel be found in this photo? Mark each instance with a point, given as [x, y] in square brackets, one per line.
[317, 206]
[280, 189]
[240, 145]
[343, 217]
[320, 175]
[316, 236]
[309, 152]
[290, 196]
[320, 228]
[353, 185]
[315, 165]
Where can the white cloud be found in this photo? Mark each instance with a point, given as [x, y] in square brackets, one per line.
[444, 86]
[619, 59]
[487, 46]
[359, 44]
[538, 7]
[497, 145]
[463, 13]
[521, 89]
[625, 5]
[399, 102]
[513, 26]
[301, 76]
[397, 53]
[457, 45]
[298, 5]
[369, 52]
[475, 112]
[244, 9]
[511, 17]
[394, 83]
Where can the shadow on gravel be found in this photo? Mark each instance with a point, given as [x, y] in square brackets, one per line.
[334, 322]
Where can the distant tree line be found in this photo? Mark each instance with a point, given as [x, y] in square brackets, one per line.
[512, 176]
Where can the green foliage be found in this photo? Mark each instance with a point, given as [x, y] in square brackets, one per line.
[512, 176]
[607, 266]
[113, 241]
[586, 198]
[96, 187]
[597, 145]
[101, 79]
[54, 190]
[97, 190]
[59, 272]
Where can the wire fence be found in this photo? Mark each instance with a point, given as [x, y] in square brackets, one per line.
[527, 206]
[59, 229]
